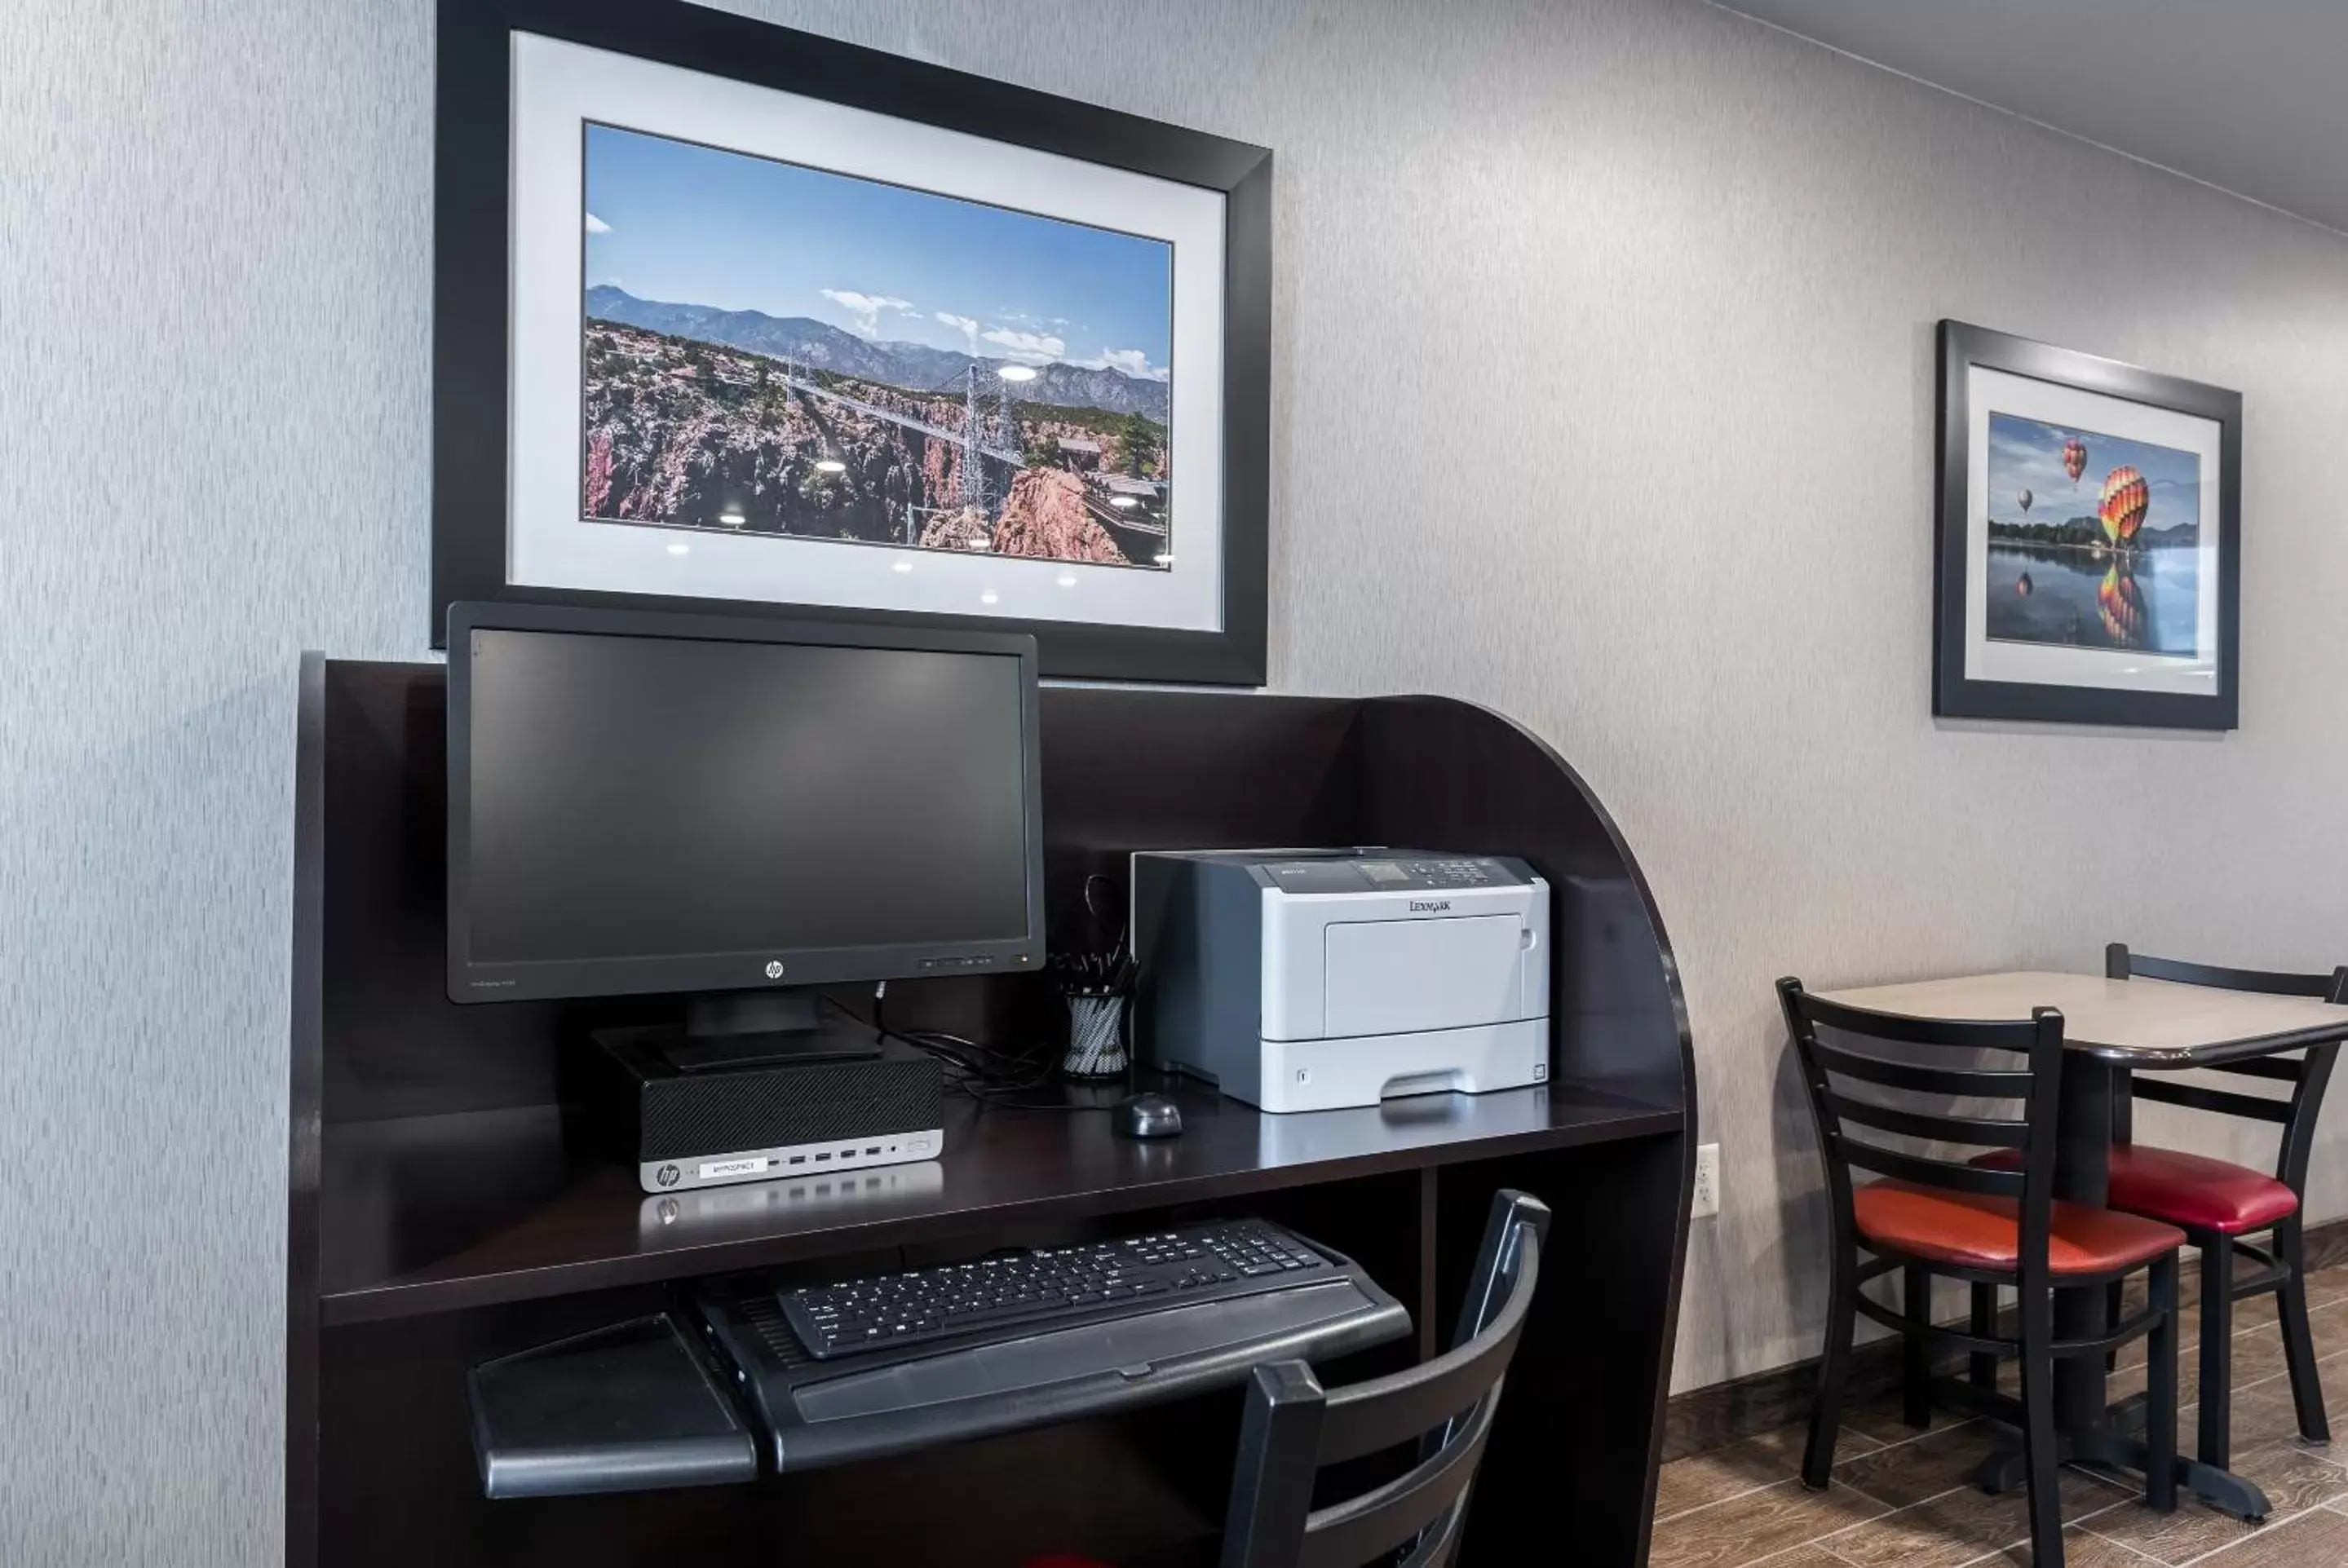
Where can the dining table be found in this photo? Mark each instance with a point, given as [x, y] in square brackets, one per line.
[2111, 1029]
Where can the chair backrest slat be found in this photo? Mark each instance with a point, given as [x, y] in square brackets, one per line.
[1939, 1057]
[1440, 1543]
[2275, 1069]
[1292, 1428]
[1930, 1124]
[1950, 1034]
[1363, 1529]
[2200, 1097]
[1363, 1417]
[2120, 964]
[2308, 1071]
[1926, 1171]
[1891, 1074]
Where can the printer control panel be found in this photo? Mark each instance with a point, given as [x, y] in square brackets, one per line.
[1436, 873]
[1365, 873]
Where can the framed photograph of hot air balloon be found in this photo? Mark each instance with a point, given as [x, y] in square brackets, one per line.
[734, 317]
[2088, 568]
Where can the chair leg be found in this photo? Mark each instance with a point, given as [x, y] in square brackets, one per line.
[2217, 1392]
[1916, 1363]
[1834, 1368]
[2160, 1391]
[2115, 1308]
[1984, 1325]
[2298, 1342]
[2039, 1454]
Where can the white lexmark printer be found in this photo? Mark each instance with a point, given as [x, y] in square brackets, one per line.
[1310, 979]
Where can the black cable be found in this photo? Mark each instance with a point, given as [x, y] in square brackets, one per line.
[937, 1041]
[990, 1079]
[1093, 910]
[1113, 967]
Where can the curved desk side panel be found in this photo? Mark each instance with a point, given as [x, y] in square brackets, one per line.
[1446, 774]
[1452, 775]
[304, 1148]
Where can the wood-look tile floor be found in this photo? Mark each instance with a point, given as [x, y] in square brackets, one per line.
[1903, 1499]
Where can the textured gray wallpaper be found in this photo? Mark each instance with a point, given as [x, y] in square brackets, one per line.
[1602, 395]
[215, 227]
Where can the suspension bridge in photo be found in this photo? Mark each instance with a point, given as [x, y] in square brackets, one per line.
[973, 437]
[976, 444]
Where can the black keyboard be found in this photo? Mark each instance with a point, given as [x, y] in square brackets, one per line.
[1050, 1286]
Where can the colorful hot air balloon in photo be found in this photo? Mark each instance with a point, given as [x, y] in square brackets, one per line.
[2126, 495]
[2120, 605]
[2075, 460]
[2024, 499]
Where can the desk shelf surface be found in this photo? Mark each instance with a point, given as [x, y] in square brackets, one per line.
[435, 1213]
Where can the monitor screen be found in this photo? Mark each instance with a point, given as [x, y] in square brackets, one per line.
[672, 812]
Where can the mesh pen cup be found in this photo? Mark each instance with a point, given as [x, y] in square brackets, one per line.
[1097, 1043]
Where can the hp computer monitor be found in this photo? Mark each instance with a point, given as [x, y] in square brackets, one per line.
[650, 803]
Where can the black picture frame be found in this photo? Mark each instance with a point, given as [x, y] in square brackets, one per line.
[471, 268]
[1963, 346]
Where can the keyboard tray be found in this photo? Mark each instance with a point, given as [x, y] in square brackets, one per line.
[819, 1413]
[635, 1408]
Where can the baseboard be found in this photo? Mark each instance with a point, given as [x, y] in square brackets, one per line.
[1704, 1419]
[2327, 1245]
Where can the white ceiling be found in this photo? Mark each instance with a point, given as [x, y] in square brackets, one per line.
[2248, 95]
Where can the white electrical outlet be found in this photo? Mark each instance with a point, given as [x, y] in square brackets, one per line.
[1706, 1201]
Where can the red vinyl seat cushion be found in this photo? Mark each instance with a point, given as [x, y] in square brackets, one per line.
[2193, 1189]
[1973, 1230]
[2186, 1189]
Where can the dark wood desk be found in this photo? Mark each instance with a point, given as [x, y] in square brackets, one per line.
[2111, 1027]
[444, 1207]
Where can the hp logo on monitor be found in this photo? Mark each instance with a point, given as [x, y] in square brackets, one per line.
[774, 968]
[666, 1176]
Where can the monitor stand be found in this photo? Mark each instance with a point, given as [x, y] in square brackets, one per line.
[754, 1028]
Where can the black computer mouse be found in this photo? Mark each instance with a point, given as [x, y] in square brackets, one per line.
[1148, 1116]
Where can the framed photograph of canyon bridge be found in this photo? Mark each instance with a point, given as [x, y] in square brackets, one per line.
[2089, 566]
[730, 317]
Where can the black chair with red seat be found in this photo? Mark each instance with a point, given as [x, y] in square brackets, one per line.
[2217, 1203]
[1931, 1215]
[1292, 1428]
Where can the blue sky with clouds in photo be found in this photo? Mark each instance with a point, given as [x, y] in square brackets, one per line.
[687, 224]
[2027, 454]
